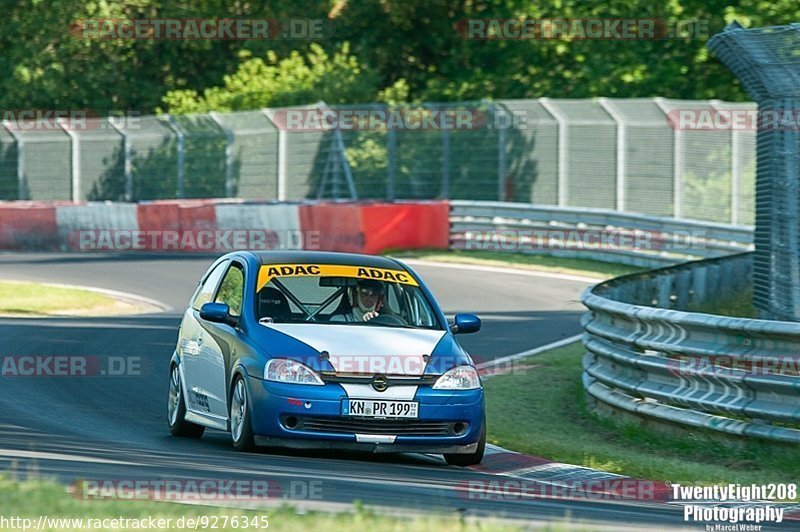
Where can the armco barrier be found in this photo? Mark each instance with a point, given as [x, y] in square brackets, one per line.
[734, 375]
[597, 234]
[647, 354]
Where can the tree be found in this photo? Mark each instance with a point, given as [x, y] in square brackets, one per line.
[294, 80]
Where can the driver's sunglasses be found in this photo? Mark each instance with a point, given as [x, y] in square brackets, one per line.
[365, 291]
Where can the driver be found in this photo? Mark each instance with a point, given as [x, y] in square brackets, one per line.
[366, 301]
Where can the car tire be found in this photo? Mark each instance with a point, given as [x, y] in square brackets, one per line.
[176, 408]
[464, 460]
[241, 427]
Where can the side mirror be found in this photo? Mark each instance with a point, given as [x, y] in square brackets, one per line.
[465, 324]
[218, 313]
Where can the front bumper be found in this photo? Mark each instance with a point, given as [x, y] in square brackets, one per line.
[272, 404]
[265, 441]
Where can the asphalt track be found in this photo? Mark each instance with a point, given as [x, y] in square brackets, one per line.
[114, 427]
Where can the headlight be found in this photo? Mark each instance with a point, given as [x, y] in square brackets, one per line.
[285, 370]
[459, 378]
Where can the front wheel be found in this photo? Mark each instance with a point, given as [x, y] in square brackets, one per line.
[176, 409]
[464, 460]
[241, 428]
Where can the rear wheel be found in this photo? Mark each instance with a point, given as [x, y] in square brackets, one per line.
[241, 428]
[176, 409]
[464, 460]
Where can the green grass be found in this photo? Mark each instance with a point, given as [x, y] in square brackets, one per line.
[34, 498]
[37, 299]
[588, 268]
[543, 412]
[739, 305]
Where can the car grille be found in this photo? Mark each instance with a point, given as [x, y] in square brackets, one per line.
[379, 426]
[392, 380]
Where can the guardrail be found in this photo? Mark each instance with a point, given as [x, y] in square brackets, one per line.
[597, 234]
[734, 375]
[647, 353]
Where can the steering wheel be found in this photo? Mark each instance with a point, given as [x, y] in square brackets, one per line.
[388, 319]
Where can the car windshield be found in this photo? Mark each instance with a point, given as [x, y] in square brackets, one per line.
[337, 294]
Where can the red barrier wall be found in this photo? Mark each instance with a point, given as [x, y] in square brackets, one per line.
[375, 227]
[179, 216]
[350, 227]
[28, 225]
[337, 224]
[405, 226]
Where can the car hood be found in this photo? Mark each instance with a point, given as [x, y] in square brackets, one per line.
[369, 349]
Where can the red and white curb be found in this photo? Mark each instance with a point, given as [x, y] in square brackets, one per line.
[524, 477]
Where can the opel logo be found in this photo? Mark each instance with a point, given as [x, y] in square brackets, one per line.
[380, 383]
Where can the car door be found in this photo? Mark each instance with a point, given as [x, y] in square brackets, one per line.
[193, 341]
[214, 362]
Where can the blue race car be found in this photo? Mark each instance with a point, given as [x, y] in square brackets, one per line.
[325, 350]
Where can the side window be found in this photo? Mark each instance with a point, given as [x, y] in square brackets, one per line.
[231, 290]
[423, 314]
[206, 291]
[392, 301]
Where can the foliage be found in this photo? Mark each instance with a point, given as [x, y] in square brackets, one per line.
[399, 50]
[295, 80]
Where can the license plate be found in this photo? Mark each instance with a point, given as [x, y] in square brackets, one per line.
[380, 409]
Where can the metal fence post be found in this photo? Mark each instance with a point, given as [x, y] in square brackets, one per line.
[677, 187]
[281, 192]
[127, 153]
[391, 162]
[20, 160]
[736, 175]
[445, 185]
[228, 153]
[181, 136]
[282, 165]
[563, 154]
[622, 145]
[75, 162]
[335, 169]
[791, 184]
[677, 161]
[499, 123]
[502, 178]
[734, 166]
[351, 186]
